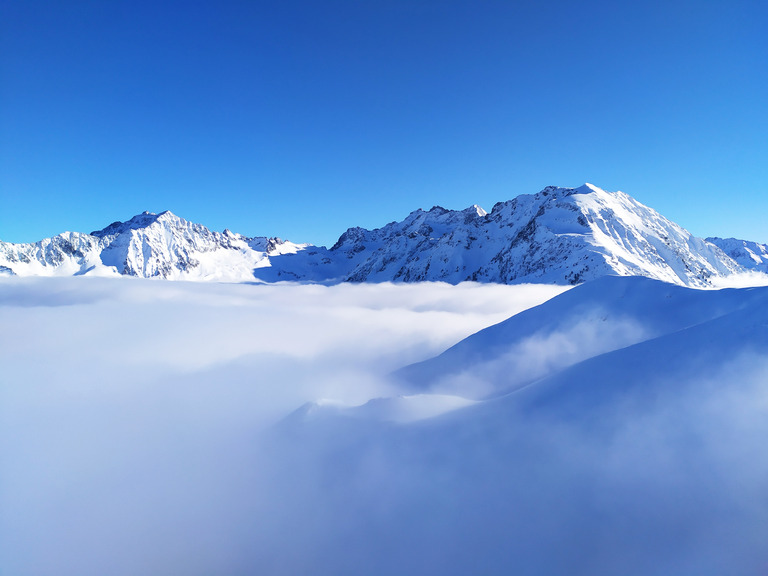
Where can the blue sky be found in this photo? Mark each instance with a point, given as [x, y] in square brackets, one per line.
[299, 119]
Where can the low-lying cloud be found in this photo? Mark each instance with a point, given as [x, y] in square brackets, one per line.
[130, 410]
[155, 428]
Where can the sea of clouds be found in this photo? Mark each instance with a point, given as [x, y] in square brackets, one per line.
[131, 410]
[163, 428]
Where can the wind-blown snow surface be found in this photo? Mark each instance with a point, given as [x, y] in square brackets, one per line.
[199, 428]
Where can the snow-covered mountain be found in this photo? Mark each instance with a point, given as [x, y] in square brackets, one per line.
[148, 245]
[750, 255]
[560, 235]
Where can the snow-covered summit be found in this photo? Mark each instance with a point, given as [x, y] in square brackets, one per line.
[137, 222]
[150, 246]
[475, 209]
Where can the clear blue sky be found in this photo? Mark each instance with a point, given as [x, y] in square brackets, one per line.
[299, 119]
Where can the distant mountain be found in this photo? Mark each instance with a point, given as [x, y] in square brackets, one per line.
[560, 235]
[148, 246]
[750, 255]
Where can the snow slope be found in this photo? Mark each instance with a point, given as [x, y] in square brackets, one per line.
[68, 254]
[594, 318]
[560, 235]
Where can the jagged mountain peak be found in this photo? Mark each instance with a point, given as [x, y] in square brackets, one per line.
[588, 188]
[547, 195]
[138, 222]
[475, 210]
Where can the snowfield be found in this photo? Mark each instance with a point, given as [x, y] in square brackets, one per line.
[617, 427]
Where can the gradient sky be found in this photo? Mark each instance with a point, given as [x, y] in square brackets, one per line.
[299, 119]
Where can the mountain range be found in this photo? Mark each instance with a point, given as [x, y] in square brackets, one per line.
[559, 235]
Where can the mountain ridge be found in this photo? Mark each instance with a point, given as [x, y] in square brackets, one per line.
[558, 235]
[148, 245]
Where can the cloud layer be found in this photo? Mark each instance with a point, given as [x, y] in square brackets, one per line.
[131, 410]
[159, 428]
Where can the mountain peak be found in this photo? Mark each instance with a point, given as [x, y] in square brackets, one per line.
[588, 188]
[475, 210]
[139, 221]
[560, 191]
[750, 255]
[168, 216]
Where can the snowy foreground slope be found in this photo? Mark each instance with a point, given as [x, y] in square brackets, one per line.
[560, 235]
[617, 427]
